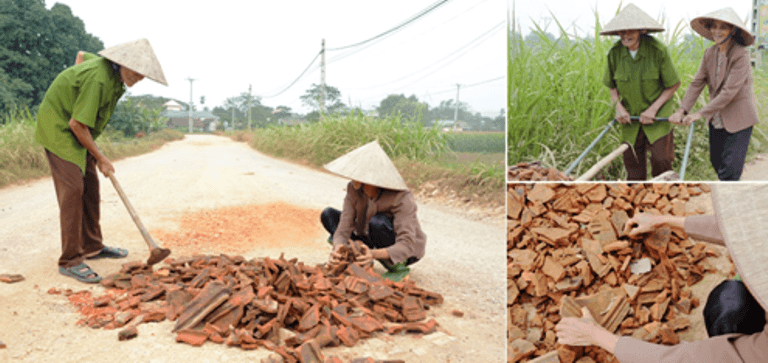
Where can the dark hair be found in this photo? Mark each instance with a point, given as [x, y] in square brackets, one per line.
[738, 35]
[115, 66]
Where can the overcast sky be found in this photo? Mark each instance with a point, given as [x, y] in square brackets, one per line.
[228, 45]
[578, 16]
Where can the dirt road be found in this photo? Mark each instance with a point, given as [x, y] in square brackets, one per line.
[465, 259]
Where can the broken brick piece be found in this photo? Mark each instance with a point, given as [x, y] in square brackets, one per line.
[413, 309]
[11, 278]
[194, 338]
[128, 333]
[309, 352]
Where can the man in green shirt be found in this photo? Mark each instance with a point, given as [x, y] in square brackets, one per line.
[74, 112]
[642, 80]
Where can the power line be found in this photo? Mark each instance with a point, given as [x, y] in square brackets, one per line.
[470, 85]
[297, 78]
[466, 47]
[462, 13]
[401, 25]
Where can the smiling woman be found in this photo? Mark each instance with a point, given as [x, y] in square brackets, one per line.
[727, 73]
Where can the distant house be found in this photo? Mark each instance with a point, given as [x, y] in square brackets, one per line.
[172, 106]
[202, 120]
[450, 126]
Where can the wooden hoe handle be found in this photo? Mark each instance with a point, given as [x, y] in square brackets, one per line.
[147, 238]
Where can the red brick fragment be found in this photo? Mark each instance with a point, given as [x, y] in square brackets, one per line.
[127, 333]
[11, 278]
[194, 338]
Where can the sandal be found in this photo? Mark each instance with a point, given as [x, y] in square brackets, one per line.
[81, 273]
[108, 252]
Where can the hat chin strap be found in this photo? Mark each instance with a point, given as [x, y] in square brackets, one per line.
[728, 37]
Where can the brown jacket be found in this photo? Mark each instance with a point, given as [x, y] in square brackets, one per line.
[358, 210]
[721, 349]
[730, 93]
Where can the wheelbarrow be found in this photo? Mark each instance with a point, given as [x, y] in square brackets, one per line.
[666, 176]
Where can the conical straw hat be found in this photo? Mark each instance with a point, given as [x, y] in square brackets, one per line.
[368, 164]
[137, 56]
[727, 15]
[631, 18]
[742, 215]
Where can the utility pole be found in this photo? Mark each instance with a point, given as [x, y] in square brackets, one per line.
[322, 79]
[249, 107]
[190, 103]
[456, 109]
[233, 117]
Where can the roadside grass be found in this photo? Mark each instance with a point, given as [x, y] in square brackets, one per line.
[22, 159]
[423, 155]
[558, 103]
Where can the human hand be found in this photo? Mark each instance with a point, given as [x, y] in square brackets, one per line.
[578, 331]
[640, 223]
[105, 166]
[335, 256]
[585, 331]
[677, 117]
[648, 116]
[691, 118]
[365, 258]
[622, 115]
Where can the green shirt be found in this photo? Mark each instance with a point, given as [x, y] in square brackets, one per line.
[640, 81]
[87, 92]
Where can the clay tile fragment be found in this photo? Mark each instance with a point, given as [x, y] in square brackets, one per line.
[194, 338]
[413, 309]
[553, 269]
[520, 349]
[309, 352]
[310, 319]
[128, 333]
[11, 278]
[213, 295]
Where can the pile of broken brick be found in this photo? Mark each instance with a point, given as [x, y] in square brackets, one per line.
[283, 305]
[567, 249]
[534, 171]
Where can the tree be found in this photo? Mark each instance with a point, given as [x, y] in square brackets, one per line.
[36, 45]
[410, 107]
[130, 119]
[333, 103]
[282, 112]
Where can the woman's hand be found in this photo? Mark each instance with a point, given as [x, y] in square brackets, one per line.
[585, 331]
[365, 258]
[335, 257]
[641, 223]
[648, 116]
[645, 222]
[691, 118]
[677, 117]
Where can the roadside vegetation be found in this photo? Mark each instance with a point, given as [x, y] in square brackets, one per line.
[21, 158]
[558, 103]
[429, 160]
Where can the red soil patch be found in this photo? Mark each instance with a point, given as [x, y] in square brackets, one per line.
[236, 230]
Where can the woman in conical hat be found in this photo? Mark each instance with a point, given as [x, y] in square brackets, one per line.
[735, 311]
[642, 80]
[378, 210]
[74, 112]
[727, 72]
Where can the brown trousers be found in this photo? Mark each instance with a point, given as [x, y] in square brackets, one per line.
[79, 212]
[662, 155]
